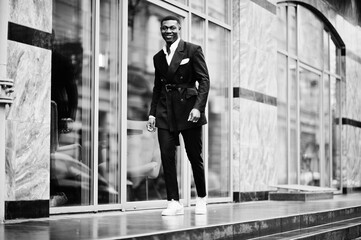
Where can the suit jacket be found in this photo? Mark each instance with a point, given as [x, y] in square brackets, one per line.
[172, 108]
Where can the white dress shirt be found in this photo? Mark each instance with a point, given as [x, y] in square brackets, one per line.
[172, 48]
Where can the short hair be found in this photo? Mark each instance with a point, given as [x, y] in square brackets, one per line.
[170, 17]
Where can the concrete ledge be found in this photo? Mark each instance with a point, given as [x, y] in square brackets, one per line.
[300, 196]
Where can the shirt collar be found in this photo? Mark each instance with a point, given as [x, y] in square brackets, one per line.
[172, 48]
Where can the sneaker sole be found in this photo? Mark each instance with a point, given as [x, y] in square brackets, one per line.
[201, 213]
[175, 214]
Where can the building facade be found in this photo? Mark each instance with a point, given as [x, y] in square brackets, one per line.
[283, 106]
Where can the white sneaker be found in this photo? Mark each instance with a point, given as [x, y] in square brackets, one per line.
[174, 208]
[201, 205]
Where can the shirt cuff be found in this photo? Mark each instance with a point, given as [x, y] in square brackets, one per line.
[151, 117]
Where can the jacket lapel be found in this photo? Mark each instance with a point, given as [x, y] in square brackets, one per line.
[176, 60]
[161, 63]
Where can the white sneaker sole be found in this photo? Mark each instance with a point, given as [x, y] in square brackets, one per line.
[180, 212]
[201, 212]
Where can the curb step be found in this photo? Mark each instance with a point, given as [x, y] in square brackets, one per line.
[330, 224]
[347, 229]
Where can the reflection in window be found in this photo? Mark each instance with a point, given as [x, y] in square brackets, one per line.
[282, 28]
[313, 98]
[293, 100]
[144, 173]
[108, 145]
[310, 45]
[282, 120]
[71, 162]
[198, 5]
[335, 104]
[310, 127]
[219, 10]
[197, 30]
[218, 171]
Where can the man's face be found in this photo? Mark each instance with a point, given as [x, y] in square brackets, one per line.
[170, 30]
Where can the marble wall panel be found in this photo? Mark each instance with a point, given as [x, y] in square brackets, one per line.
[10, 158]
[30, 67]
[353, 87]
[257, 26]
[28, 123]
[257, 70]
[28, 172]
[258, 135]
[258, 49]
[352, 153]
[236, 144]
[34, 14]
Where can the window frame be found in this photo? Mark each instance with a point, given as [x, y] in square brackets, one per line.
[332, 37]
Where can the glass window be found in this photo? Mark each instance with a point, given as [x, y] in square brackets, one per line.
[282, 148]
[282, 28]
[292, 30]
[218, 66]
[198, 5]
[326, 126]
[71, 94]
[144, 173]
[335, 104]
[219, 10]
[326, 51]
[109, 93]
[313, 128]
[293, 100]
[309, 84]
[198, 30]
[185, 2]
[333, 60]
[311, 45]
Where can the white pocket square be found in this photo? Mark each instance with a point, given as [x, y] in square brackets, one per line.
[184, 61]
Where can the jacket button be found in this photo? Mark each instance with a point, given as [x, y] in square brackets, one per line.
[181, 77]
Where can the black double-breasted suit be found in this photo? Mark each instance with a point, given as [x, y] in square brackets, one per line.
[172, 105]
[172, 109]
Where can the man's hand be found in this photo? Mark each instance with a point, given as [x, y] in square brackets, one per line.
[151, 124]
[194, 115]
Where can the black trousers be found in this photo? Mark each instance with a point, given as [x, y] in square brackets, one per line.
[193, 145]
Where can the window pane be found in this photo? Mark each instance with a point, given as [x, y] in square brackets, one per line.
[282, 28]
[326, 128]
[336, 131]
[109, 154]
[310, 127]
[293, 122]
[197, 35]
[292, 30]
[144, 175]
[219, 9]
[282, 149]
[333, 59]
[311, 39]
[218, 62]
[326, 51]
[185, 2]
[71, 91]
[198, 5]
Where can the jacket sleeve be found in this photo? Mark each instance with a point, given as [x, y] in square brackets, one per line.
[156, 91]
[201, 75]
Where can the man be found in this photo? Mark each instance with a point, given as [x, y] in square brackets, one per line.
[178, 106]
